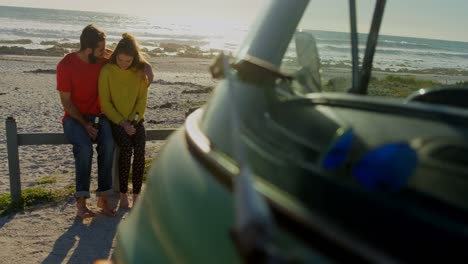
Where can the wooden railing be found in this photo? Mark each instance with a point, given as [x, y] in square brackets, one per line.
[14, 140]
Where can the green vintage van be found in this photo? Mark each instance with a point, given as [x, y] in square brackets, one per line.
[288, 162]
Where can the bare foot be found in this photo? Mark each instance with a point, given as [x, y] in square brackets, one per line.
[135, 198]
[84, 212]
[124, 201]
[102, 203]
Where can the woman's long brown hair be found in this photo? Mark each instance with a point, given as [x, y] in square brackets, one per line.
[129, 46]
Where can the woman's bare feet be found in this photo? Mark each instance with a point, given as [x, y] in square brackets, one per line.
[102, 203]
[135, 198]
[83, 211]
[124, 201]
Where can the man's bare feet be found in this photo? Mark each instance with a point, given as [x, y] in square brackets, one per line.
[102, 203]
[83, 211]
[124, 201]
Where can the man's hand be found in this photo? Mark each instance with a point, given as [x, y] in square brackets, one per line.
[73, 111]
[107, 53]
[92, 132]
[148, 74]
[129, 129]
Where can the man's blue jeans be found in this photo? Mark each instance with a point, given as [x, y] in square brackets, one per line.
[83, 153]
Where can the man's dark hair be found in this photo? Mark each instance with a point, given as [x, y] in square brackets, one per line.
[90, 36]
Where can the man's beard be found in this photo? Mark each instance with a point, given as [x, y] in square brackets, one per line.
[92, 59]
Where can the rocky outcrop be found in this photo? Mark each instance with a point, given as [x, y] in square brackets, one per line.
[60, 49]
[16, 41]
[53, 51]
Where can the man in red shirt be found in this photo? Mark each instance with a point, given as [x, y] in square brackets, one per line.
[77, 83]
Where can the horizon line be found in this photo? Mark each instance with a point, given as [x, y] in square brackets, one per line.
[147, 16]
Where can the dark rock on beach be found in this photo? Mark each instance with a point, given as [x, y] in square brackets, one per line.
[155, 122]
[189, 84]
[49, 71]
[200, 91]
[167, 105]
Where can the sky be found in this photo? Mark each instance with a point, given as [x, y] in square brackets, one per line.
[415, 18]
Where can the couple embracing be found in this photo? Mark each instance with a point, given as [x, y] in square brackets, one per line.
[111, 88]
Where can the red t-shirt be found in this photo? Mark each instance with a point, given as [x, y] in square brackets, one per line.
[80, 78]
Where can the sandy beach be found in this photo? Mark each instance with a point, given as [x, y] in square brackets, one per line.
[52, 234]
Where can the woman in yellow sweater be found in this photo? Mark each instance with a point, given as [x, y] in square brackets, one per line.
[123, 91]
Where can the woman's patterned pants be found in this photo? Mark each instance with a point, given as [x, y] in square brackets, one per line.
[128, 144]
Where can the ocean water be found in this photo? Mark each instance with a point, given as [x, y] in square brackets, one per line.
[65, 26]
[393, 52]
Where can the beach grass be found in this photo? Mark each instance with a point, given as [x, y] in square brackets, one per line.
[460, 84]
[33, 196]
[399, 86]
[395, 86]
[39, 195]
[46, 180]
[388, 86]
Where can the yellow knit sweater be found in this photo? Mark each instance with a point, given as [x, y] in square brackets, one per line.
[123, 93]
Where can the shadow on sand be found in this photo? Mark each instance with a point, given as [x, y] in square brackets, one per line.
[5, 219]
[86, 240]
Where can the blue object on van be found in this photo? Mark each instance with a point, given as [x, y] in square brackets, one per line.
[339, 149]
[387, 167]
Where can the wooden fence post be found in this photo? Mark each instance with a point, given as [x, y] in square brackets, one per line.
[13, 159]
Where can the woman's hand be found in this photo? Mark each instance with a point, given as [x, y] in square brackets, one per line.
[129, 129]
